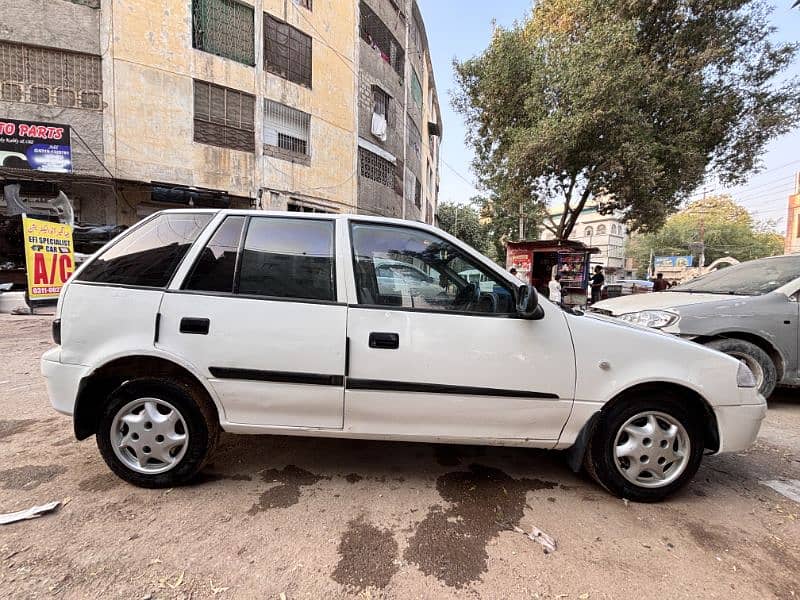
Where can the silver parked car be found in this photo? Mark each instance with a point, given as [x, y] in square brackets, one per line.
[749, 311]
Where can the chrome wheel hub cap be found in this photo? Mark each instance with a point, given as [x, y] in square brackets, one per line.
[652, 449]
[149, 436]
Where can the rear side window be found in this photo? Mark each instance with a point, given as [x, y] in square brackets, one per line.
[288, 258]
[148, 255]
[215, 269]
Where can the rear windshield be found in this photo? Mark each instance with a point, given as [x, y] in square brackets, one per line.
[148, 255]
[752, 278]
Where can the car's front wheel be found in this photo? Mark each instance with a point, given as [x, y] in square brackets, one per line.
[645, 449]
[758, 361]
[154, 433]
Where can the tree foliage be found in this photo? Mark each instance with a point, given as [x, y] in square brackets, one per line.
[632, 100]
[464, 222]
[729, 230]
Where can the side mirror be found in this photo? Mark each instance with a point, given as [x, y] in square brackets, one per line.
[528, 306]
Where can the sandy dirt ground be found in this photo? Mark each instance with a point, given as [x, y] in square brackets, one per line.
[283, 517]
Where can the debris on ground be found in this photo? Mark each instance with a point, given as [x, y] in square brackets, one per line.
[29, 513]
[547, 542]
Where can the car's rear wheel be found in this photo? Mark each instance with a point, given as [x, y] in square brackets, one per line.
[758, 361]
[154, 433]
[645, 449]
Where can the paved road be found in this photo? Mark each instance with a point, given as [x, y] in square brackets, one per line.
[313, 518]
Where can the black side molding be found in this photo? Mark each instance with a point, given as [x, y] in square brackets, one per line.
[276, 376]
[438, 388]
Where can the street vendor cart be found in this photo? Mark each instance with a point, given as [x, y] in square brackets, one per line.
[537, 262]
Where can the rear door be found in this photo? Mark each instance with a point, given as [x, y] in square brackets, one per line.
[450, 359]
[258, 314]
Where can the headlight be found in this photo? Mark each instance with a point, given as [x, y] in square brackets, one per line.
[745, 377]
[650, 318]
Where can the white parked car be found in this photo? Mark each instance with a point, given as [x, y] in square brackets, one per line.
[193, 322]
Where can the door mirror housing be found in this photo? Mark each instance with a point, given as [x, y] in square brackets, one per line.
[528, 306]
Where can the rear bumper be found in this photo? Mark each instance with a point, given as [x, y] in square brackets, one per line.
[739, 425]
[62, 381]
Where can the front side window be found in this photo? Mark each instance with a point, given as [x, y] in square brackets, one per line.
[215, 268]
[289, 258]
[149, 254]
[409, 268]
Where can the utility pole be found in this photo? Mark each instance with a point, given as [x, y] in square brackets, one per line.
[521, 223]
[702, 236]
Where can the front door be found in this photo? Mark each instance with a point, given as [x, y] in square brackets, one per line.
[258, 315]
[438, 351]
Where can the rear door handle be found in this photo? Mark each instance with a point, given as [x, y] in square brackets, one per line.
[195, 326]
[384, 340]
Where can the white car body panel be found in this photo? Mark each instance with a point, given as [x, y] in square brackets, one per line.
[558, 357]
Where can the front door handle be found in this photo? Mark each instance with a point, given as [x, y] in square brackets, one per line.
[195, 326]
[384, 340]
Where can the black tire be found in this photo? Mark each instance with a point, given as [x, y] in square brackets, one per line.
[600, 461]
[740, 348]
[200, 420]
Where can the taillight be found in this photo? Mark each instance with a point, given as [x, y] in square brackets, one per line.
[57, 331]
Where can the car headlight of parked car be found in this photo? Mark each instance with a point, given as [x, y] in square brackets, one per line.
[656, 319]
[745, 377]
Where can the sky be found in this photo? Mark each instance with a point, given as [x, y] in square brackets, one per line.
[462, 29]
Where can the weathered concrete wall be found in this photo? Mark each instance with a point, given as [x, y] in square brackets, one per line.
[51, 23]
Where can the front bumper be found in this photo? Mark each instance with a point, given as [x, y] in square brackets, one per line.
[738, 425]
[62, 380]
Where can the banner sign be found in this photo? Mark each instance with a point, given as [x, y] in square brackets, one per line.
[37, 146]
[674, 262]
[49, 257]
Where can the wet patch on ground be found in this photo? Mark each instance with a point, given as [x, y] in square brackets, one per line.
[13, 427]
[290, 482]
[367, 556]
[353, 478]
[450, 543]
[100, 483]
[28, 477]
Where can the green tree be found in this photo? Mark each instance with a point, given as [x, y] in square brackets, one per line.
[464, 222]
[728, 230]
[631, 100]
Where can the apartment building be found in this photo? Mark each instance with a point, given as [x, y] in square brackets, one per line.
[295, 105]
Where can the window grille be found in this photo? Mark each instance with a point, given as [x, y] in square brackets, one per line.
[49, 76]
[376, 167]
[286, 127]
[414, 137]
[223, 117]
[378, 36]
[381, 99]
[601, 230]
[287, 51]
[225, 28]
[307, 4]
[416, 89]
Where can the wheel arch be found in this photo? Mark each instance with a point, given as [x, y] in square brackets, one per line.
[695, 401]
[96, 387]
[767, 346]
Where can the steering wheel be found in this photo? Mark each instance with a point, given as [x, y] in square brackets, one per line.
[468, 296]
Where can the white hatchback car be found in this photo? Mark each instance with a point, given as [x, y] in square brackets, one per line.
[195, 321]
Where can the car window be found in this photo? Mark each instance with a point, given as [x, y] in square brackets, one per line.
[215, 268]
[751, 278]
[147, 255]
[288, 258]
[410, 268]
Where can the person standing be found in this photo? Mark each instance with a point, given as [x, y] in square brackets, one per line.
[598, 279]
[660, 284]
[554, 288]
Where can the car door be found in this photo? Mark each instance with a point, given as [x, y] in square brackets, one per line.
[452, 362]
[257, 314]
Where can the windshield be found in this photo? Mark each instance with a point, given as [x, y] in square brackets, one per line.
[747, 279]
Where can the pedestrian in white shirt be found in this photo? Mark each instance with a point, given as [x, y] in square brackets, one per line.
[555, 289]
